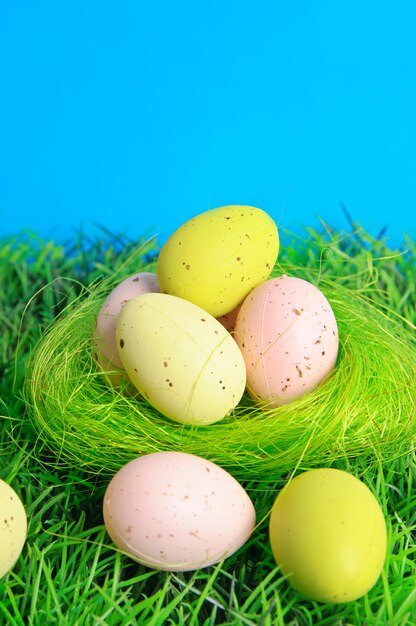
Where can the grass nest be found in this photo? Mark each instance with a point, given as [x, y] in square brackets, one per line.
[365, 409]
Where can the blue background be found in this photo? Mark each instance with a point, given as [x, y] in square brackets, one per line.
[139, 115]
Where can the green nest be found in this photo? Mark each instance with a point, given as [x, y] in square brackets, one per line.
[365, 409]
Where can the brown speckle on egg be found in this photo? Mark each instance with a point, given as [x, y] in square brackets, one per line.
[121, 343]
[194, 533]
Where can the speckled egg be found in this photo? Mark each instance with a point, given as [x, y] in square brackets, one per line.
[105, 330]
[215, 259]
[229, 319]
[176, 511]
[288, 334]
[180, 358]
[13, 527]
[328, 535]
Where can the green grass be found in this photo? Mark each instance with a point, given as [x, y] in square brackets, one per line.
[364, 409]
[69, 572]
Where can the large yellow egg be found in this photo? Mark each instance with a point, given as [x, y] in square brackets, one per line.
[328, 535]
[215, 259]
[180, 358]
[13, 527]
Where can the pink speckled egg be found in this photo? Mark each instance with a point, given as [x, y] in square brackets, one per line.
[229, 319]
[105, 330]
[288, 335]
[175, 511]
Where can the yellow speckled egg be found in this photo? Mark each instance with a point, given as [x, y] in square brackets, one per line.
[215, 259]
[183, 361]
[13, 527]
[328, 535]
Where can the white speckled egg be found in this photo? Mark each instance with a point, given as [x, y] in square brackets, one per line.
[176, 511]
[180, 358]
[288, 334]
[13, 527]
[105, 330]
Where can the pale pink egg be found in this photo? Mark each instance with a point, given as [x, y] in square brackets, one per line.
[176, 511]
[228, 320]
[288, 335]
[105, 331]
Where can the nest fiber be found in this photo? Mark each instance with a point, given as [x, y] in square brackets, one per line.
[365, 408]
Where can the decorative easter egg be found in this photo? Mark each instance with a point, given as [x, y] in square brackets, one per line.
[215, 259]
[13, 527]
[229, 319]
[175, 511]
[288, 334]
[328, 535]
[105, 329]
[180, 358]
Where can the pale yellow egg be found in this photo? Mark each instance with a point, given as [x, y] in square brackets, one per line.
[13, 527]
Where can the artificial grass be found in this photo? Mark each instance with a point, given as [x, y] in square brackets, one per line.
[69, 573]
[364, 409]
